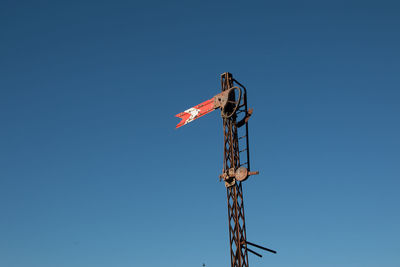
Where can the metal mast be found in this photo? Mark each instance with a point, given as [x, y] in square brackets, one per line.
[234, 192]
[235, 116]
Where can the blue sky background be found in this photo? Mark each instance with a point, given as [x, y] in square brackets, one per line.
[93, 172]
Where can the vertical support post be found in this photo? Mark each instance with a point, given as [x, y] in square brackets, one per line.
[237, 227]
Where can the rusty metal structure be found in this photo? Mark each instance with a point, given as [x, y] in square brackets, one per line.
[232, 101]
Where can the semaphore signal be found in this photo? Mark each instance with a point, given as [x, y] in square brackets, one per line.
[232, 102]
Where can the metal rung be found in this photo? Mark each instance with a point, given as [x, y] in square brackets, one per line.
[242, 150]
[243, 164]
[242, 137]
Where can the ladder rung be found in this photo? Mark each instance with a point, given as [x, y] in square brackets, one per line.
[242, 137]
[243, 164]
[242, 150]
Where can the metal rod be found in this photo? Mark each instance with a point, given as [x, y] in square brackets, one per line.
[261, 247]
[252, 251]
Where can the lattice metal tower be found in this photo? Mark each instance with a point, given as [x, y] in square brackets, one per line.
[236, 162]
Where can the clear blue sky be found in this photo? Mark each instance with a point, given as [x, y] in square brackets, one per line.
[93, 172]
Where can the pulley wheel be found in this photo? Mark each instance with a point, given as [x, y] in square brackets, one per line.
[241, 174]
[233, 102]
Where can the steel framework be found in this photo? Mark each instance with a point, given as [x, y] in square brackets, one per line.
[234, 192]
[235, 116]
[234, 171]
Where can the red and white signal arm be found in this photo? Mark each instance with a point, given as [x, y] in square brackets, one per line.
[218, 101]
[195, 112]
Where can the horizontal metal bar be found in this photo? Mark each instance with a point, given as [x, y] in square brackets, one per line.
[261, 247]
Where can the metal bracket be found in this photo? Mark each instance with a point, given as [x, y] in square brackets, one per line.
[240, 174]
[246, 118]
[221, 99]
